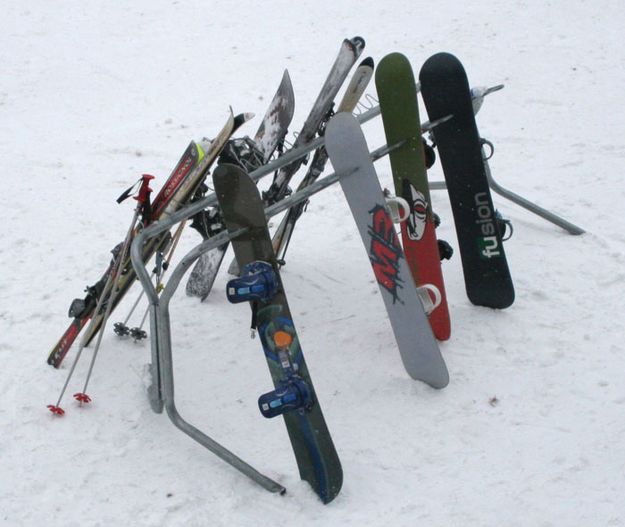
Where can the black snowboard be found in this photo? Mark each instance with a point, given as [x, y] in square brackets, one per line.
[242, 208]
[445, 90]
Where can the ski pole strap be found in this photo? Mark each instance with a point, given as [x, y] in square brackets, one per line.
[128, 192]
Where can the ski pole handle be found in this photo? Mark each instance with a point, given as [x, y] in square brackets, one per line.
[144, 190]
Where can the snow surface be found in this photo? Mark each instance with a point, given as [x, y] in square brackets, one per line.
[530, 430]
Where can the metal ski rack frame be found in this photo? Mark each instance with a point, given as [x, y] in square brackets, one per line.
[519, 200]
[496, 187]
[161, 391]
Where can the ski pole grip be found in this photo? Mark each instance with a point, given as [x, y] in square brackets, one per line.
[144, 191]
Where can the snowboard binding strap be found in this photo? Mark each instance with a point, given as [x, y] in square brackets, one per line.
[290, 394]
[258, 283]
[397, 206]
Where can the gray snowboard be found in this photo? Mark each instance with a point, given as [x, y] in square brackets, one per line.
[349, 154]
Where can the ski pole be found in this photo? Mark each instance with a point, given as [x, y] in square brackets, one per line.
[142, 205]
[143, 200]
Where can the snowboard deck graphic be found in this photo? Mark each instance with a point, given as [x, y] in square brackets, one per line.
[445, 90]
[312, 444]
[418, 348]
[397, 91]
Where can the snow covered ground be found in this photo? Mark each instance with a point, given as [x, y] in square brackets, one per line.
[530, 430]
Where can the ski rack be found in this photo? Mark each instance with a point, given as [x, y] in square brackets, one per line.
[161, 390]
[519, 200]
[496, 187]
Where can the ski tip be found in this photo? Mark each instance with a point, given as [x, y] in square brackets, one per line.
[288, 91]
[367, 62]
[286, 78]
[242, 118]
[286, 87]
[358, 43]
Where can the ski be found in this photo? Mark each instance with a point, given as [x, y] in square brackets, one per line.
[354, 91]
[320, 112]
[277, 120]
[294, 396]
[179, 187]
[350, 157]
[80, 311]
[445, 90]
[269, 137]
[397, 91]
[315, 122]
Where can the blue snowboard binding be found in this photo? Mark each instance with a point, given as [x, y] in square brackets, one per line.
[290, 395]
[257, 283]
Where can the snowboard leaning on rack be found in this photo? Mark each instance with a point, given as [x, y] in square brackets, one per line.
[294, 396]
[350, 158]
[397, 92]
[186, 177]
[445, 90]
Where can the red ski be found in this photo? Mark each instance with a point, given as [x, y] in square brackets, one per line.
[186, 177]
